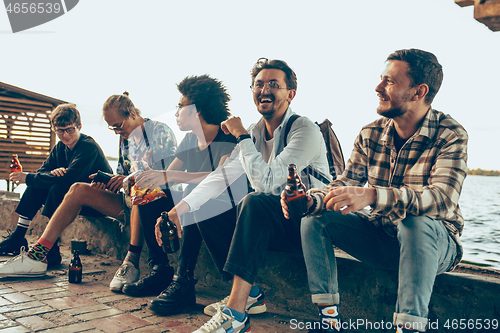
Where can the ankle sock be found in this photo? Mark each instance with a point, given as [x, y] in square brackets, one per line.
[255, 291]
[39, 251]
[328, 313]
[235, 314]
[22, 227]
[133, 255]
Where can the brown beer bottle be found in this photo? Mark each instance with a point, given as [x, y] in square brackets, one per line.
[75, 269]
[169, 237]
[15, 165]
[295, 194]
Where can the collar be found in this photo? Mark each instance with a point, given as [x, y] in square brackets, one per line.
[258, 130]
[427, 129]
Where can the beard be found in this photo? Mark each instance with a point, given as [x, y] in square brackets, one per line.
[397, 109]
[392, 112]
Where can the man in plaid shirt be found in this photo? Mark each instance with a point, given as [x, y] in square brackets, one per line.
[413, 161]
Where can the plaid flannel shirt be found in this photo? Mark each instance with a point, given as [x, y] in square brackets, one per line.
[424, 178]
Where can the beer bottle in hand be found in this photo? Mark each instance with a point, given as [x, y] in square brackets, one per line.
[15, 165]
[295, 194]
[75, 269]
[169, 237]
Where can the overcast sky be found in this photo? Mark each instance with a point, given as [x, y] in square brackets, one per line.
[337, 48]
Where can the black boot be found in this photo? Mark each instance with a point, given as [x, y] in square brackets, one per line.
[12, 244]
[152, 284]
[179, 297]
[54, 256]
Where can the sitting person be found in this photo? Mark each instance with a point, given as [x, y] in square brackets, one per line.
[261, 153]
[141, 140]
[202, 107]
[414, 162]
[73, 159]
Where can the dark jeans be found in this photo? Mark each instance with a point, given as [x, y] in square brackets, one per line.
[148, 214]
[217, 232]
[260, 226]
[33, 198]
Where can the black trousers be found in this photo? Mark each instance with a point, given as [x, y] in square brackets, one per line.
[217, 232]
[148, 214]
[34, 198]
[260, 226]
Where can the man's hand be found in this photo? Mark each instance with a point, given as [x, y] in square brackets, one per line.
[234, 126]
[59, 172]
[97, 185]
[150, 179]
[18, 177]
[284, 206]
[173, 217]
[350, 198]
[114, 184]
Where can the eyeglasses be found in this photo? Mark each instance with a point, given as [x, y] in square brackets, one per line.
[69, 130]
[271, 86]
[117, 128]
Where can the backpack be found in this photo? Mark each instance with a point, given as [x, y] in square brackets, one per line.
[334, 153]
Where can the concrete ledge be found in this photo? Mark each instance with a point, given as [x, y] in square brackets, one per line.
[367, 294]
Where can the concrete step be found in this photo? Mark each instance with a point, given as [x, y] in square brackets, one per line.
[368, 295]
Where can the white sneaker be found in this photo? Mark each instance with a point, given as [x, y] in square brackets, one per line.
[127, 273]
[255, 305]
[23, 266]
[224, 323]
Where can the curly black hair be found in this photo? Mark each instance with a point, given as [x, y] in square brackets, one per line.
[209, 95]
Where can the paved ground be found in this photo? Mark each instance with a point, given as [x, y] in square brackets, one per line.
[51, 304]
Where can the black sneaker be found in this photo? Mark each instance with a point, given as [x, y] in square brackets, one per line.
[152, 284]
[11, 245]
[54, 256]
[177, 298]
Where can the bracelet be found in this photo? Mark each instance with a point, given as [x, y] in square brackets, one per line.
[313, 206]
[243, 137]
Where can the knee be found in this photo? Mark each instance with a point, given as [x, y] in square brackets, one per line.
[253, 198]
[78, 190]
[59, 189]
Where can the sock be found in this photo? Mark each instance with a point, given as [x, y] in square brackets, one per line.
[39, 251]
[255, 291]
[235, 314]
[328, 313]
[22, 227]
[133, 255]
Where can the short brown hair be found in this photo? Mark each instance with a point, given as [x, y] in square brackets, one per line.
[65, 115]
[264, 63]
[423, 68]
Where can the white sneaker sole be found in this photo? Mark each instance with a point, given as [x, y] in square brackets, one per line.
[22, 274]
[257, 309]
[116, 289]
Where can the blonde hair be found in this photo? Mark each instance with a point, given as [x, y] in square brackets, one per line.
[123, 104]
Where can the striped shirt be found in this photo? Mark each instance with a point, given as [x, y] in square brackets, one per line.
[424, 178]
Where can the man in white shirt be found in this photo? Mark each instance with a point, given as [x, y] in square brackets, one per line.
[262, 154]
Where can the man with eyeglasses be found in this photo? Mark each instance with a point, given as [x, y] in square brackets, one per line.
[73, 159]
[260, 153]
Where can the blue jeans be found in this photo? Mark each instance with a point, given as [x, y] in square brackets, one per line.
[422, 250]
